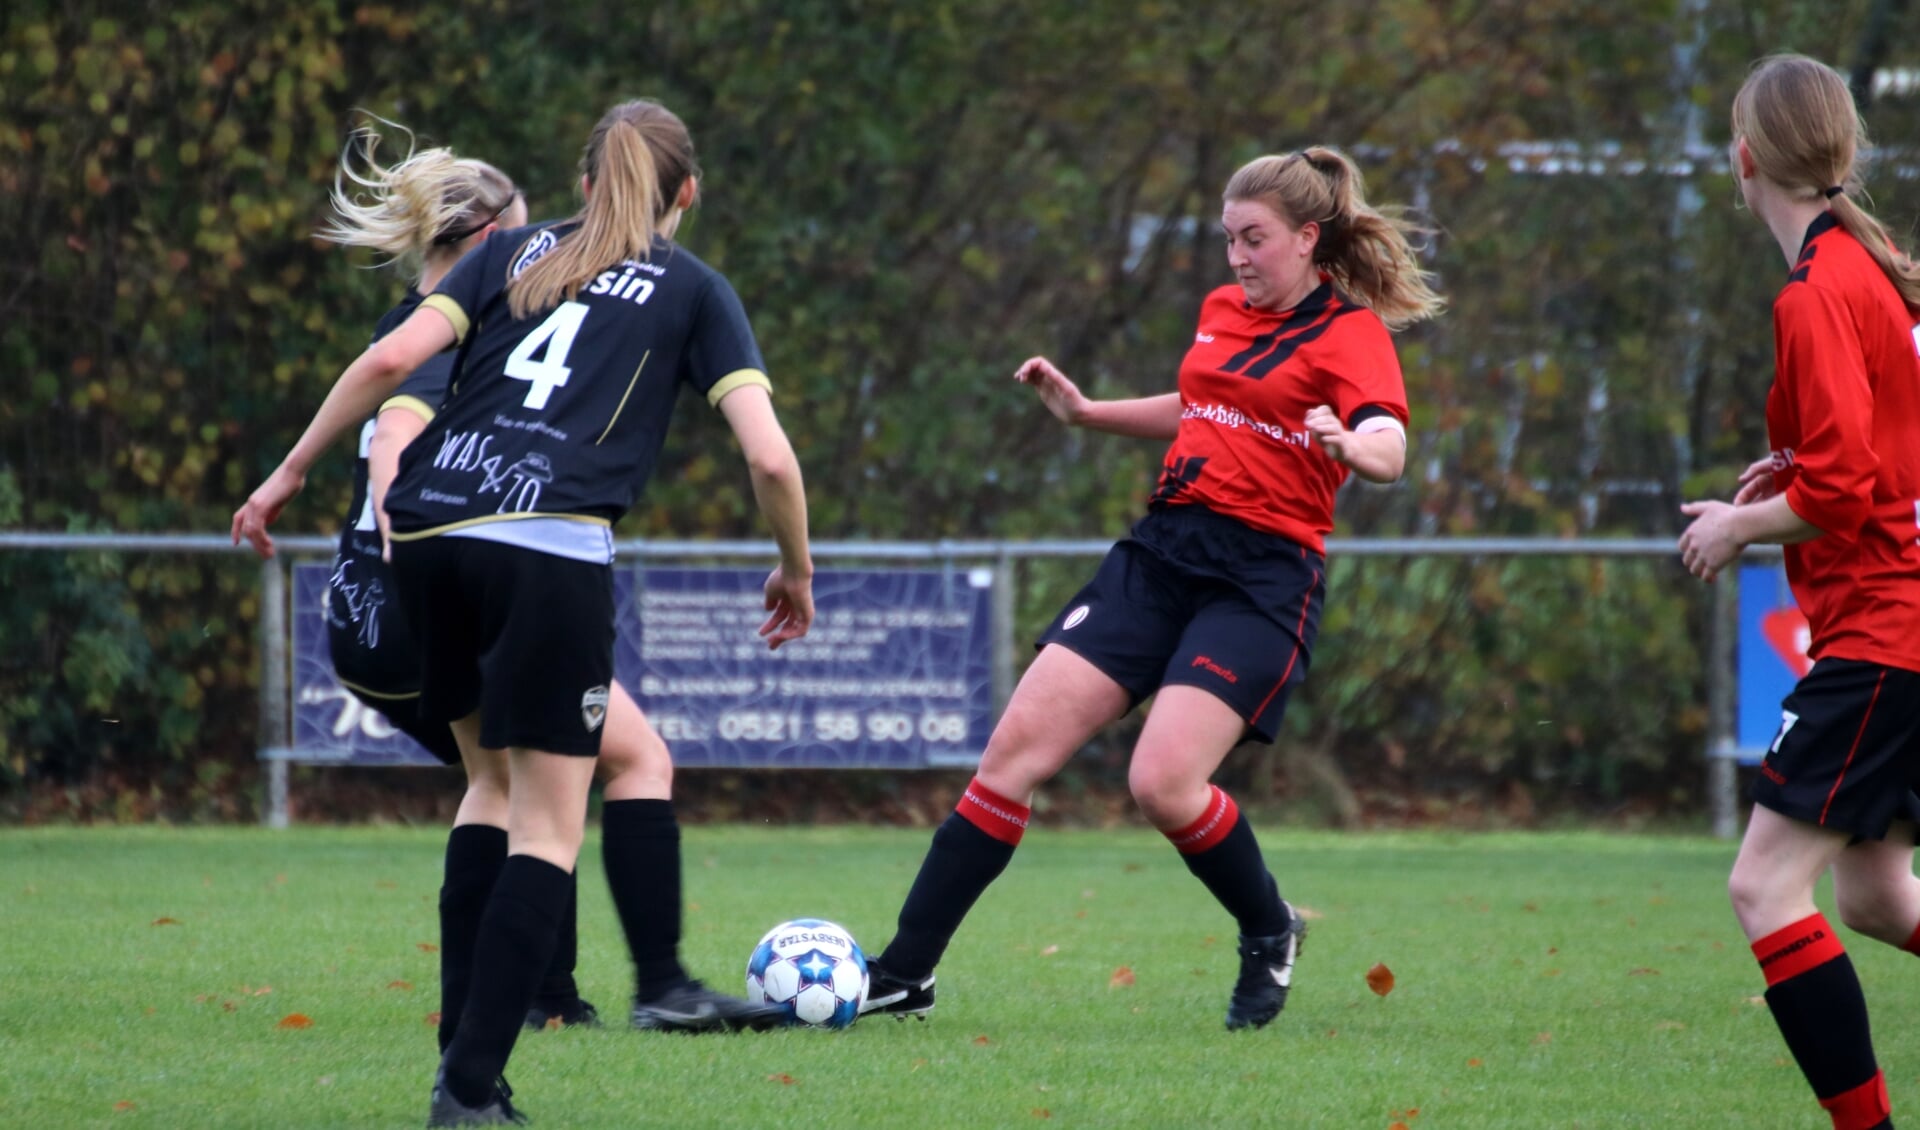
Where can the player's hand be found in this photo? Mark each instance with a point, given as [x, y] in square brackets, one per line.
[1325, 427]
[1756, 483]
[789, 607]
[1709, 544]
[263, 507]
[1062, 397]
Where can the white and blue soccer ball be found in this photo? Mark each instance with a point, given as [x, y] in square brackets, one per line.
[811, 968]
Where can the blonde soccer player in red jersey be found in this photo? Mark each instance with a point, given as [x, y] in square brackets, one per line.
[1212, 603]
[1841, 490]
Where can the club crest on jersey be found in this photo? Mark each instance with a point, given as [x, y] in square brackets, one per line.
[1076, 617]
[593, 708]
[539, 245]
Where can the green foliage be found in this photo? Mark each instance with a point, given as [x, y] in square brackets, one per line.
[911, 199]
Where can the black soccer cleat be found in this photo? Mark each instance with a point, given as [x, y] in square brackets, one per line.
[896, 995]
[445, 1110]
[562, 1014]
[692, 1007]
[1266, 974]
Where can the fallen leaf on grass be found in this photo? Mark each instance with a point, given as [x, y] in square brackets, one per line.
[918, 1064]
[433, 1018]
[1551, 950]
[1551, 973]
[229, 1006]
[1380, 979]
[1397, 1125]
[325, 1080]
[1087, 894]
[1042, 1112]
[165, 922]
[1669, 1026]
[263, 990]
[1530, 907]
[1049, 951]
[981, 1041]
[1756, 1000]
[122, 1107]
[295, 1020]
[1080, 914]
[782, 1078]
[1122, 978]
[403, 986]
[1332, 1032]
[1130, 868]
[1643, 971]
[554, 1024]
[1475, 1062]
[427, 947]
[387, 885]
[1543, 1038]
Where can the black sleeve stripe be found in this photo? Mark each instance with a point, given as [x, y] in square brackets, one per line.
[1369, 412]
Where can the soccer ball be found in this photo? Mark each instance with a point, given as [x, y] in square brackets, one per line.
[813, 969]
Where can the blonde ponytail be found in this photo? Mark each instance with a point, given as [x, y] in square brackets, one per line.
[1365, 250]
[1804, 133]
[636, 161]
[427, 198]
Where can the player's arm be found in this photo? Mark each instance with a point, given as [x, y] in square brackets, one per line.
[1374, 448]
[399, 425]
[1145, 417]
[782, 497]
[367, 382]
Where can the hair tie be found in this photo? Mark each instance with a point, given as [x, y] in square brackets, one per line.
[1834, 191]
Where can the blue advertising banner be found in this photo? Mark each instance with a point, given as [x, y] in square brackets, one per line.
[896, 672]
[1772, 655]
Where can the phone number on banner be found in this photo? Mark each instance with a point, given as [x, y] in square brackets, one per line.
[822, 726]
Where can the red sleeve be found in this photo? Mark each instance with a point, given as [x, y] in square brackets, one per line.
[1366, 370]
[1819, 363]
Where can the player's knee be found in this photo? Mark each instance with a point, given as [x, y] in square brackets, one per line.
[1160, 792]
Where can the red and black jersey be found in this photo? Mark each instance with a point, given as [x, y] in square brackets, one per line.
[1246, 387]
[1843, 419]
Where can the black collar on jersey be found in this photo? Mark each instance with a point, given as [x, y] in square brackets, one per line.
[1821, 225]
[1315, 301]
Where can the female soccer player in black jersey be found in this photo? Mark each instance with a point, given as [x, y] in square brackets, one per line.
[1211, 604]
[501, 515]
[1841, 490]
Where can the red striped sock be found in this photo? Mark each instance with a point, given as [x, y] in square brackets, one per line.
[1792, 950]
[1215, 821]
[992, 813]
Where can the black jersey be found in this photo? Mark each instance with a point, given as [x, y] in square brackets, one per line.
[371, 651]
[561, 416]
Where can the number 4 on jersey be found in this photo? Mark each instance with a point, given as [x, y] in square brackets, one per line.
[555, 336]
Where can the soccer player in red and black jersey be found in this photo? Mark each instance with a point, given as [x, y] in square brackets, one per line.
[1841, 490]
[1212, 603]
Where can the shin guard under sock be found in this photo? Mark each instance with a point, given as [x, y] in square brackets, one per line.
[640, 844]
[515, 944]
[1220, 849]
[970, 850]
[1816, 1000]
[475, 853]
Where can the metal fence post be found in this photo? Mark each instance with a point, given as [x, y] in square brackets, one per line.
[275, 728]
[1723, 675]
[1002, 620]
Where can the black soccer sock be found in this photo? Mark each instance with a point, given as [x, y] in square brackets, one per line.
[1220, 849]
[516, 941]
[640, 844]
[970, 850]
[1816, 1000]
[475, 853]
[558, 989]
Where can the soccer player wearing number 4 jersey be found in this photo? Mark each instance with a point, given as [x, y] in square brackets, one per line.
[1212, 604]
[1839, 490]
[576, 337]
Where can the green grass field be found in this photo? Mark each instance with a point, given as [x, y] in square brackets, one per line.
[1543, 980]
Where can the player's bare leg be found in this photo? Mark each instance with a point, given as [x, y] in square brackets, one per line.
[1189, 732]
[1812, 989]
[1877, 891]
[1060, 703]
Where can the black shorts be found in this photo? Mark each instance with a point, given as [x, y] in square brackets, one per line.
[1847, 755]
[522, 636]
[1196, 599]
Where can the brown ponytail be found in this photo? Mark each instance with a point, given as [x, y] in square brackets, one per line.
[636, 160]
[1364, 249]
[1805, 135]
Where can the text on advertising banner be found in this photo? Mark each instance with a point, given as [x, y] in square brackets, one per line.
[895, 673]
